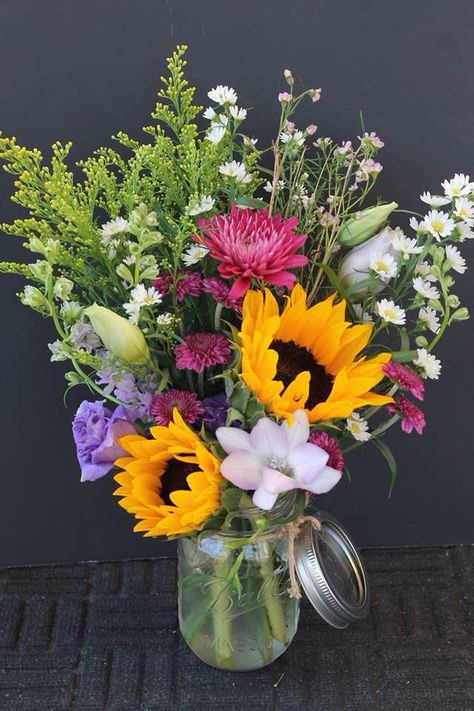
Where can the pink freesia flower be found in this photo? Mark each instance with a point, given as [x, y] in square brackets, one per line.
[405, 377]
[412, 416]
[202, 350]
[187, 404]
[275, 458]
[250, 244]
[187, 283]
[330, 445]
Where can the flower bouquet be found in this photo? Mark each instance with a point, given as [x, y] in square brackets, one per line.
[242, 316]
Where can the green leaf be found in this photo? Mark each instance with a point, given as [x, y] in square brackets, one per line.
[230, 499]
[239, 397]
[250, 202]
[385, 450]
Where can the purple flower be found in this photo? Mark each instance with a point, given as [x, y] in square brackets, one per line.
[215, 412]
[83, 336]
[96, 430]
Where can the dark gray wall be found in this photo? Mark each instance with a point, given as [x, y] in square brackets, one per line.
[82, 69]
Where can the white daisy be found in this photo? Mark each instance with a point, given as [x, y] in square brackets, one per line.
[434, 200]
[141, 296]
[165, 319]
[457, 186]
[425, 289]
[222, 95]
[405, 245]
[465, 231]
[297, 137]
[358, 427]
[205, 204]
[238, 114]
[417, 225]
[234, 169]
[465, 210]
[429, 319]
[361, 315]
[384, 265]
[454, 259]
[390, 312]
[439, 224]
[215, 134]
[194, 254]
[423, 269]
[209, 113]
[114, 227]
[430, 365]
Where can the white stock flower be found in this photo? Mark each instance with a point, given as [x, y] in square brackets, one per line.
[429, 319]
[464, 209]
[358, 427]
[390, 312]
[383, 265]
[222, 95]
[434, 200]
[457, 186]
[234, 169]
[238, 114]
[215, 134]
[405, 245]
[205, 204]
[454, 259]
[193, 255]
[425, 289]
[113, 227]
[361, 315]
[430, 365]
[439, 224]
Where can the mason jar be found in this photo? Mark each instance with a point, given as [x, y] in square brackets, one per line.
[235, 610]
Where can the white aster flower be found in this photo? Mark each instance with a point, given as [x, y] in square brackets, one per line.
[194, 254]
[417, 225]
[165, 319]
[423, 269]
[390, 312]
[371, 140]
[430, 365]
[238, 114]
[384, 265]
[268, 187]
[425, 289]
[222, 95]
[405, 245]
[454, 259]
[464, 209]
[114, 227]
[361, 315]
[465, 231]
[429, 319]
[439, 224]
[358, 427]
[457, 186]
[234, 169]
[141, 296]
[434, 200]
[215, 134]
[205, 204]
[297, 137]
[209, 113]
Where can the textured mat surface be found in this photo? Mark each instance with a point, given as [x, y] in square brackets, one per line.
[103, 637]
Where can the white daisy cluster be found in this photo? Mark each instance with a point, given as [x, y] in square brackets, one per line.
[141, 297]
[235, 171]
[221, 116]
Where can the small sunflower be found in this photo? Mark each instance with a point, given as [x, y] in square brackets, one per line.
[306, 357]
[170, 482]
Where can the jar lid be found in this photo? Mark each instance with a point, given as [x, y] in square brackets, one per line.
[331, 572]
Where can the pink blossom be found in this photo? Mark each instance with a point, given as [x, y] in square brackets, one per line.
[220, 291]
[202, 350]
[284, 97]
[187, 404]
[187, 283]
[412, 416]
[331, 447]
[405, 377]
[250, 245]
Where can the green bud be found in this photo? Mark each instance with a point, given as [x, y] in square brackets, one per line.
[453, 301]
[41, 270]
[70, 311]
[421, 341]
[35, 299]
[124, 273]
[460, 315]
[62, 288]
[436, 305]
[119, 336]
[354, 230]
[436, 272]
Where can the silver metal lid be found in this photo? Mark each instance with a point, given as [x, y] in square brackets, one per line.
[331, 572]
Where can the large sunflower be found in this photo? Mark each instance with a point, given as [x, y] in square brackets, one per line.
[170, 482]
[306, 357]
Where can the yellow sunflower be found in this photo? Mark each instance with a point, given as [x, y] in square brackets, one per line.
[306, 357]
[170, 482]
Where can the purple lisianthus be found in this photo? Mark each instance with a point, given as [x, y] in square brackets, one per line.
[96, 430]
[215, 412]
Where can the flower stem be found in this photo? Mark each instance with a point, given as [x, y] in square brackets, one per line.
[222, 622]
[271, 594]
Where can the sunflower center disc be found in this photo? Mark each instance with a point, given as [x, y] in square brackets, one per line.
[174, 478]
[292, 360]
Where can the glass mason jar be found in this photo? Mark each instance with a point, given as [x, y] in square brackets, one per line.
[235, 612]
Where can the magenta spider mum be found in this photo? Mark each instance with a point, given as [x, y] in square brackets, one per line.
[250, 245]
[220, 291]
[187, 404]
[202, 350]
[187, 283]
[406, 378]
[331, 447]
[412, 416]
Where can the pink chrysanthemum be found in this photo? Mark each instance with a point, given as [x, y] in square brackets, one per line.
[250, 245]
[187, 283]
[220, 291]
[330, 445]
[406, 378]
[412, 416]
[187, 404]
[201, 350]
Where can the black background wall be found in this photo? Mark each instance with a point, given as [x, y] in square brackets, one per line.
[82, 69]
